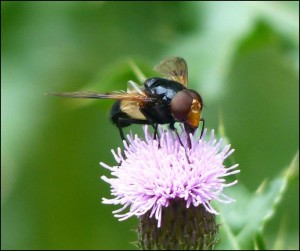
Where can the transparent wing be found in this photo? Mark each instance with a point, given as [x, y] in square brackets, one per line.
[174, 68]
[117, 95]
[134, 87]
[132, 108]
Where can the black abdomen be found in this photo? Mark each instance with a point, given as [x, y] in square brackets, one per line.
[116, 114]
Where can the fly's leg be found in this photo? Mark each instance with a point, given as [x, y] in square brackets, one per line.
[120, 130]
[127, 121]
[202, 129]
[172, 127]
[153, 124]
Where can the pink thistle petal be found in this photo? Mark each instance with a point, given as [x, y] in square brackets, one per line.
[149, 176]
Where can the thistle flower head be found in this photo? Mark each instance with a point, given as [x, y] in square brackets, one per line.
[151, 174]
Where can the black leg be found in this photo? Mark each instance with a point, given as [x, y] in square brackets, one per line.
[153, 124]
[189, 144]
[121, 121]
[155, 130]
[178, 137]
[127, 121]
[188, 130]
[121, 131]
[202, 129]
[172, 126]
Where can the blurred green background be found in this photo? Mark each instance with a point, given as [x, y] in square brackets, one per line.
[242, 57]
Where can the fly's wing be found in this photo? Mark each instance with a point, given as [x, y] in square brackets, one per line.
[131, 101]
[175, 69]
[117, 95]
[133, 87]
[132, 109]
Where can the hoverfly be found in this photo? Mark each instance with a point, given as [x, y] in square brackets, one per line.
[158, 101]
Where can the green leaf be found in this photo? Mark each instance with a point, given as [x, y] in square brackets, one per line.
[242, 223]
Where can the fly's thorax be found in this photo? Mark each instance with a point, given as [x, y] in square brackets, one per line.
[162, 89]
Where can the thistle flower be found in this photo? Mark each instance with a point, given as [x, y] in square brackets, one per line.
[153, 176]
